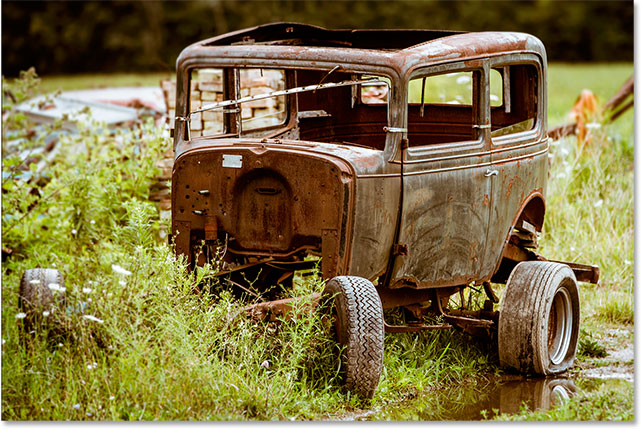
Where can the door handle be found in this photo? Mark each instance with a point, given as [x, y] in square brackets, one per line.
[489, 173]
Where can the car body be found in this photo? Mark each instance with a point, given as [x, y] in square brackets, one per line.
[414, 159]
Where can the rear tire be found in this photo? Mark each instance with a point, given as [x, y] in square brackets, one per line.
[41, 290]
[539, 319]
[360, 331]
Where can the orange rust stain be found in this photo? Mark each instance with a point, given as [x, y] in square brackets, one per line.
[486, 200]
[509, 188]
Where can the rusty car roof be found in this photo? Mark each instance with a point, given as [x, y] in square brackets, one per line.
[299, 45]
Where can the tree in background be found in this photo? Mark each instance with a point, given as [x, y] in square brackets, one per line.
[136, 36]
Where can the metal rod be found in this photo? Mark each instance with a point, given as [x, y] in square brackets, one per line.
[226, 103]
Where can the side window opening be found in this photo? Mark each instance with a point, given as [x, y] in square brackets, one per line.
[519, 107]
[442, 108]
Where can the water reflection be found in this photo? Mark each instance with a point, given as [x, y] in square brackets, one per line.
[505, 395]
[484, 399]
[539, 393]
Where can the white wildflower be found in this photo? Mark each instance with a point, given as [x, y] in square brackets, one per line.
[93, 318]
[60, 345]
[92, 366]
[120, 270]
[74, 232]
[45, 313]
[111, 398]
[122, 283]
[56, 287]
[89, 414]
[598, 204]
[626, 262]
[3, 341]
[21, 315]
[86, 290]
[572, 249]
[76, 406]
[93, 222]
[266, 364]
[34, 282]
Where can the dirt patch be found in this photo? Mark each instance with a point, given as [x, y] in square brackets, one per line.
[619, 362]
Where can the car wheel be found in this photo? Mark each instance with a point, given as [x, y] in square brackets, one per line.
[539, 319]
[41, 291]
[360, 331]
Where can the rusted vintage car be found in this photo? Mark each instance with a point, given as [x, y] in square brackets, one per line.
[411, 163]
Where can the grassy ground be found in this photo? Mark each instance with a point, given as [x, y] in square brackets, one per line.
[159, 351]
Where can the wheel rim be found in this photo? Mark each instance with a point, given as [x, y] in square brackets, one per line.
[560, 395]
[559, 326]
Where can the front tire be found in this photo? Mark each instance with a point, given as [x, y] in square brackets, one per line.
[539, 319]
[360, 331]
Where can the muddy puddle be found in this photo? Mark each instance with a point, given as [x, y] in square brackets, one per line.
[504, 395]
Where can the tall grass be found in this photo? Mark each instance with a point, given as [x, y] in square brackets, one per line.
[589, 212]
[160, 350]
[153, 347]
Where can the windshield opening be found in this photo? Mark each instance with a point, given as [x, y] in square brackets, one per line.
[314, 105]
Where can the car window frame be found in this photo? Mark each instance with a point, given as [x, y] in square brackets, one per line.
[535, 133]
[480, 144]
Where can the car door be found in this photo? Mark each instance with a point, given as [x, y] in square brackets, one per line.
[519, 147]
[446, 195]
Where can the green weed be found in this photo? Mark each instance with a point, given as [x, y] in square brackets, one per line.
[618, 308]
[590, 347]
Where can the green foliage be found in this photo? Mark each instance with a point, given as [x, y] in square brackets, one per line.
[590, 347]
[618, 308]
